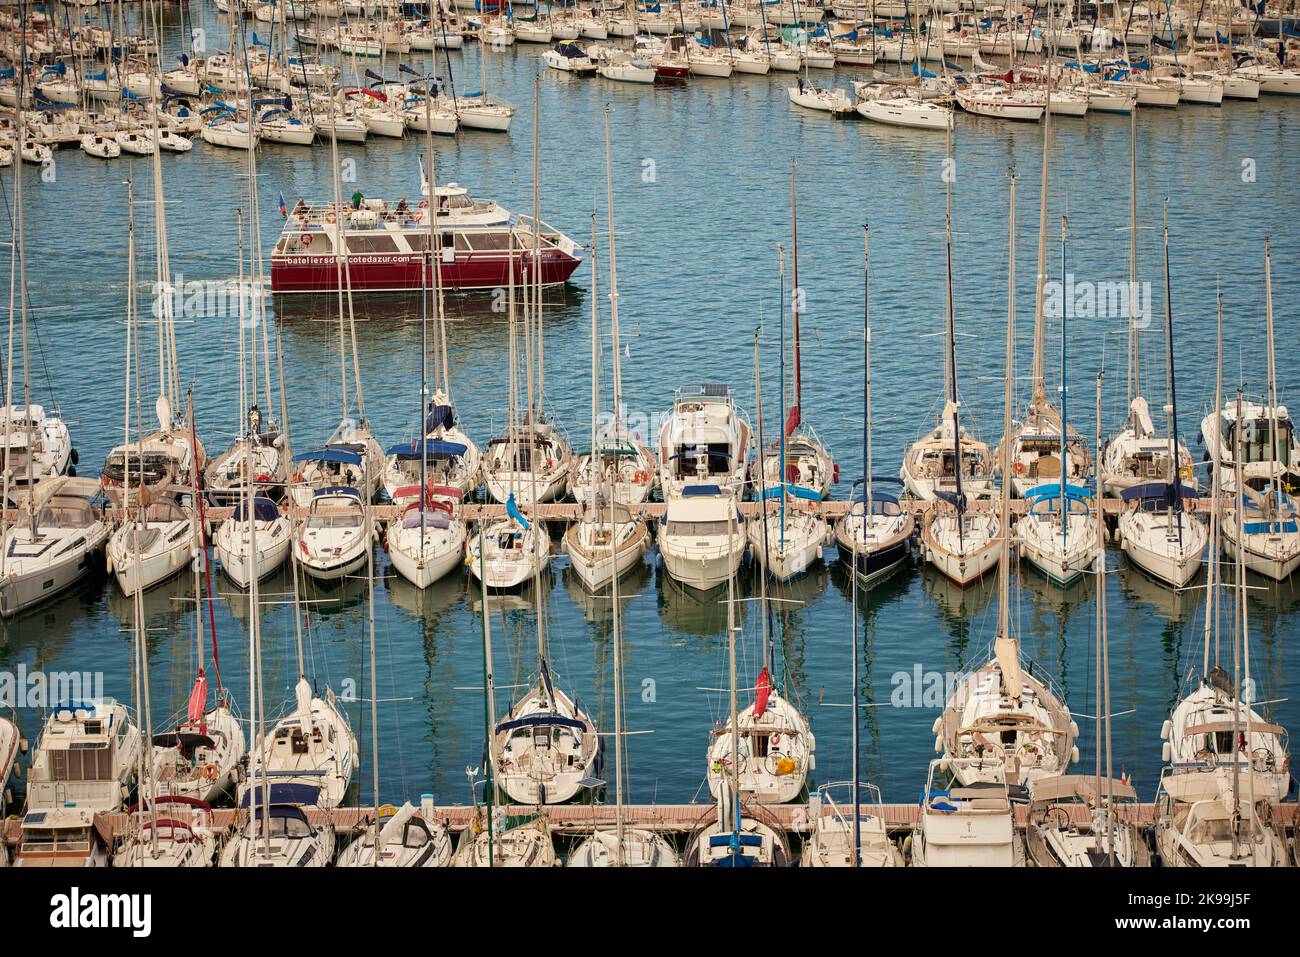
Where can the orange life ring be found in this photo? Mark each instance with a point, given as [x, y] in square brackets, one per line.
[776, 738]
[330, 216]
[424, 204]
[210, 772]
[305, 239]
[1018, 468]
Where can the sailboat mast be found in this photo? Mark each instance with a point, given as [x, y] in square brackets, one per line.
[595, 461]
[950, 354]
[780, 379]
[1214, 573]
[537, 243]
[1176, 504]
[489, 690]
[618, 691]
[1065, 435]
[374, 680]
[1040, 321]
[617, 366]
[769, 656]
[796, 295]
[1004, 554]
[1272, 378]
[1239, 636]
[1134, 354]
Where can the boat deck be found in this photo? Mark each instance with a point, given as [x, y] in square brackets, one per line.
[571, 511]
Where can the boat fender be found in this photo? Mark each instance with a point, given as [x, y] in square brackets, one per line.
[1166, 752]
[1074, 729]
[74, 457]
[938, 722]
[907, 845]
[938, 744]
[1074, 754]
[1166, 729]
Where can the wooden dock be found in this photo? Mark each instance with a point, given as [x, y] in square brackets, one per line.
[574, 819]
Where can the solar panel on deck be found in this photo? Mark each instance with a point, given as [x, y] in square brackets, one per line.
[714, 388]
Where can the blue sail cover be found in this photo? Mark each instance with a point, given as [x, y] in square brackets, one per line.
[1156, 492]
[1054, 491]
[347, 490]
[798, 491]
[541, 720]
[346, 456]
[512, 509]
[429, 448]
[264, 510]
[282, 793]
[700, 490]
[443, 415]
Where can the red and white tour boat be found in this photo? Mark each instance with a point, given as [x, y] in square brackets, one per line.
[387, 246]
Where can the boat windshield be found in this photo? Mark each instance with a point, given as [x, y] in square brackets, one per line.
[697, 529]
[326, 520]
[57, 513]
[1256, 441]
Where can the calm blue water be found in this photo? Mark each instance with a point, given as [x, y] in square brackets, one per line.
[697, 274]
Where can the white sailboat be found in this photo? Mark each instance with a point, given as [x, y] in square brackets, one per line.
[1215, 730]
[1002, 725]
[54, 541]
[621, 846]
[170, 832]
[875, 537]
[1139, 455]
[613, 446]
[1204, 821]
[800, 457]
[1055, 836]
[201, 755]
[948, 458]
[1055, 534]
[163, 535]
[406, 839]
[233, 541]
[531, 462]
[765, 750]
[1038, 438]
[1158, 533]
[787, 536]
[736, 836]
[1268, 538]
